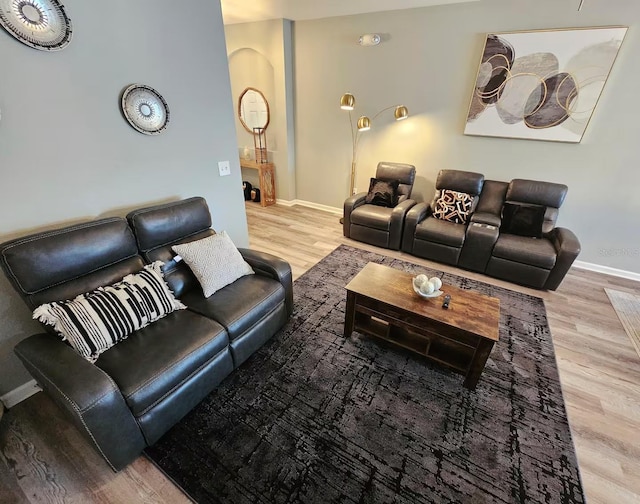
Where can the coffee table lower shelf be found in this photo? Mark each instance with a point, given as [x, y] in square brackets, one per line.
[463, 352]
[453, 354]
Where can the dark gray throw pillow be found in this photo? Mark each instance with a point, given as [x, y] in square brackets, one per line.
[383, 192]
[522, 219]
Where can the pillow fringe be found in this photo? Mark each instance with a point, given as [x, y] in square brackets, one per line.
[43, 314]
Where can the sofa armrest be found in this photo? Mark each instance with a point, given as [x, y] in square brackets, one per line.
[88, 395]
[396, 227]
[486, 218]
[567, 248]
[350, 204]
[415, 215]
[272, 266]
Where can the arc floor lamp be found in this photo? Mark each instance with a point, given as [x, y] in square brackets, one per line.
[348, 102]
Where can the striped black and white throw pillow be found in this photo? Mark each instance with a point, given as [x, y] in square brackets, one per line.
[95, 321]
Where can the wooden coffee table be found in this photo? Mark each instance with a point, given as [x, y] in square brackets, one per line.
[381, 302]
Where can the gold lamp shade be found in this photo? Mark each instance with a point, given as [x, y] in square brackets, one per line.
[401, 113]
[347, 102]
[364, 123]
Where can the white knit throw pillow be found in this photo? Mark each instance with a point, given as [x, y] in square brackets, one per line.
[215, 261]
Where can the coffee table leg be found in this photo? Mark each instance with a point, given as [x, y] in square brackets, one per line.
[349, 314]
[478, 361]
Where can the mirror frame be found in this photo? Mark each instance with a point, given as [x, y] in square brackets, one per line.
[240, 108]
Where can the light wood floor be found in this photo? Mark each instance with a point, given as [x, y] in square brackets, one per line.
[43, 459]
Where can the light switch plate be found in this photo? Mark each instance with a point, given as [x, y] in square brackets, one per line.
[224, 168]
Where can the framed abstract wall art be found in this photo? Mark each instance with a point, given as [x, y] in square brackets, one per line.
[541, 85]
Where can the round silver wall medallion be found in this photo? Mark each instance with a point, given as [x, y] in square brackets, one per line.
[145, 109]
[41, 24]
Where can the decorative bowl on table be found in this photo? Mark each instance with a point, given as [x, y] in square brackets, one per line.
[427, 287]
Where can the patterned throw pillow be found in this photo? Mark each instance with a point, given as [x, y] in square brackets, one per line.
[95, 321]
[453, 206]
[383, 192]
[215, 261]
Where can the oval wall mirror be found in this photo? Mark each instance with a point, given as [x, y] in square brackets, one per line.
[253, 109]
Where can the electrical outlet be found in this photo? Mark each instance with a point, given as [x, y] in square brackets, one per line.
[224, 168]
[355, 190]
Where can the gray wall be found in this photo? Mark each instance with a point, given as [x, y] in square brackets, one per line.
[66, 152]
[428, 61]
[260, 57]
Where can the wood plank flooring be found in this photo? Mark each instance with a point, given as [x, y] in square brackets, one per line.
[44, 460]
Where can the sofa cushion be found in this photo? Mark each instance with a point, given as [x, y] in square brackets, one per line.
[522, 219]
[239, 305]
[440, 231]
[453, 206]
[526, 250]
[63, 263]
[462, 181]
[165, 224]
[404, 173]
[383, 193]
[215, 261]
[372, 216]
[154, 361]
[537, 192]
[95, 321]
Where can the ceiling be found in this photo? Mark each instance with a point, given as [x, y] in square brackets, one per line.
[245, 11]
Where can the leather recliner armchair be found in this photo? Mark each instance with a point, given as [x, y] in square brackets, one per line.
[378, 225]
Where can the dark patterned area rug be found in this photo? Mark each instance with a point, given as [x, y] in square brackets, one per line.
[315, 418]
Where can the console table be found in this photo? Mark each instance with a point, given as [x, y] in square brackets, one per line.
[267, 177]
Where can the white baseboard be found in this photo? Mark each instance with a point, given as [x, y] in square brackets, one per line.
[311, 204]
[607, 270]
[13, 397]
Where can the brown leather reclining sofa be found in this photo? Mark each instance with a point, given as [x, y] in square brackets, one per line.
[526, 252]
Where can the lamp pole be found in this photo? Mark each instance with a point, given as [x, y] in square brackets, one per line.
[355, 136]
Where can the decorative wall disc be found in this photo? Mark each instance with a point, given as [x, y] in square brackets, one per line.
[145, 109]
[41, 24]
